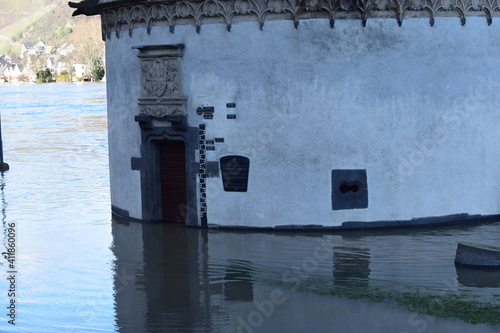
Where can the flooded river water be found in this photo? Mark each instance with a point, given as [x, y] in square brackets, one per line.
[77, 270]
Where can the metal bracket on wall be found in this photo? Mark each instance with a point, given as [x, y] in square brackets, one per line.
[179, 123]
[145, 121]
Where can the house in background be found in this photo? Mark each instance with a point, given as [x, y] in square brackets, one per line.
[38, 56]
[81, 70]
[9, 70]
[38, 48]
[65, 49]
[57, 67]
[27, 49]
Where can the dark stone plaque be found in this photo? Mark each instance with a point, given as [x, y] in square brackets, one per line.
[235, 173]
[208, 116]
[230, 105]
[219, 140]
[209, 142]
[208, 109]
[231, 116]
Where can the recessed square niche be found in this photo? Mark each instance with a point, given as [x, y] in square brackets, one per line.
[349, 189]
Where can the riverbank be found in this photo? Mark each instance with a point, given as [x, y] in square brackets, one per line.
[451, 306]
[320, 313]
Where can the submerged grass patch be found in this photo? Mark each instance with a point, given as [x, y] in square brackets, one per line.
[450, 306]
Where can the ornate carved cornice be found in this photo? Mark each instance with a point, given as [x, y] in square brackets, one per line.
[119, 16]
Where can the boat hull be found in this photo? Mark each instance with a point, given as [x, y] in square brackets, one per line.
[477, 255]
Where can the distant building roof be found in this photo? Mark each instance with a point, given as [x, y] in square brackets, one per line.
[5, 58]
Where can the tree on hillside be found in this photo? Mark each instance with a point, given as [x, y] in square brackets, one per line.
[44, 75]
[37, 63]
[97, 70]
[70, 61]
[88, 42]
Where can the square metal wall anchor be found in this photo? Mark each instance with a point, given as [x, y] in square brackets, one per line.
[349, 189]
[212, 169]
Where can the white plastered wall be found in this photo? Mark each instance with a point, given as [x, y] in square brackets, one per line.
[416, 106]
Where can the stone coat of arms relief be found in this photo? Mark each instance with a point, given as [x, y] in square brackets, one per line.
[160, 95]
[160, 77]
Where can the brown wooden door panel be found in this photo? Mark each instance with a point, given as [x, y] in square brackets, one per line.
[173, 181]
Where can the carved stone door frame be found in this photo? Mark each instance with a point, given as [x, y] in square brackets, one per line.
[163, 116]
[149, 166]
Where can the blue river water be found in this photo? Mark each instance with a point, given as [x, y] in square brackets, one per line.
[77, 270]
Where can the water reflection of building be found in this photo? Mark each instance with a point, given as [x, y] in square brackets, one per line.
[478, 277]
[156, 276]
[238, 279]
[162, 280]
[351, 266]
[169, 278]
[130, 300]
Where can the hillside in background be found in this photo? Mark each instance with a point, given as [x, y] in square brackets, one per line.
[50, 21]
[17, 11]
[39, 40]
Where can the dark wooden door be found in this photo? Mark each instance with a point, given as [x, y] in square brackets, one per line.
[173, 181]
